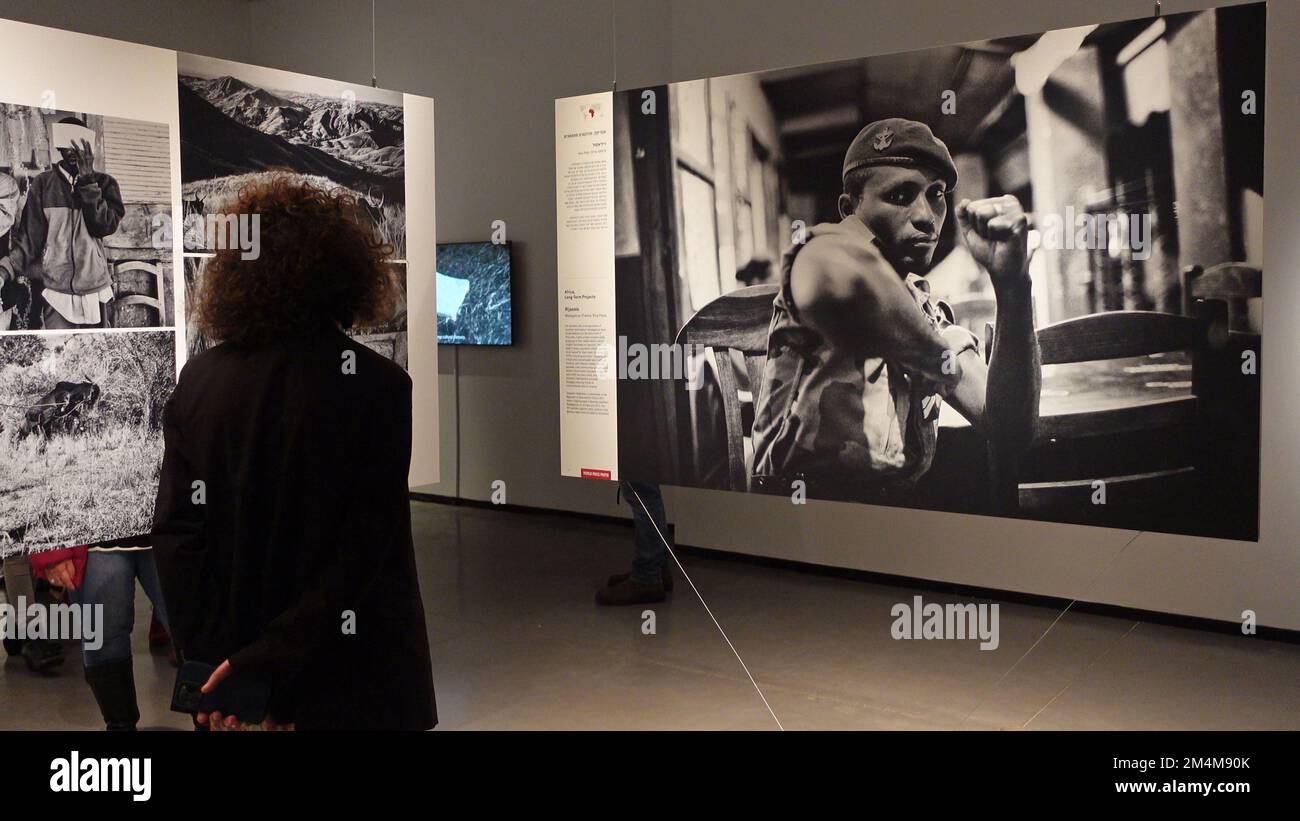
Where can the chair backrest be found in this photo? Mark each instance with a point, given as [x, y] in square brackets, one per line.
[1231, 280]
[153, 273]
[1074, 450]
[1234, 283]
[1116, 335]
[735, 326]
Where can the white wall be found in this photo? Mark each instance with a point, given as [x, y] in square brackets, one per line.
[495, 68]
[215, 27]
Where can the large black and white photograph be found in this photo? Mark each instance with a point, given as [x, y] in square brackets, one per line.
[1017, 277]
[389, 339]
[85, 220]
[240, 121]
[80, 435]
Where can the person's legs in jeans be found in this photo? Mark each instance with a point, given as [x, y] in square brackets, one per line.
[109, 581]
[649, 578]
[650, 524]
[147, 572]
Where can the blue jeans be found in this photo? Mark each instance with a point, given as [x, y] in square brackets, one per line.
[650, 551]
[110, 580]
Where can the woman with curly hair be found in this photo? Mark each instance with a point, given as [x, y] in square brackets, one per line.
[282, 528]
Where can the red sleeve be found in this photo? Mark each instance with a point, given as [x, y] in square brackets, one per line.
[41, 562]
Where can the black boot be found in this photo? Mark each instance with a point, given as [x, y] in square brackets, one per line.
[114, 687]
[42, 655]
[630, 592]
[666, 575]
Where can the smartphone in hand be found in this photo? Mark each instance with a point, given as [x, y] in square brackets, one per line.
[246, 699]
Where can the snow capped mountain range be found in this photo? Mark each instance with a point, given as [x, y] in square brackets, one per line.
[365, 134]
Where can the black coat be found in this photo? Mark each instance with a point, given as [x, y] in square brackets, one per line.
[283, 519]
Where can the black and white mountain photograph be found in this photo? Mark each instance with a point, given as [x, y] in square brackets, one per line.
[238, 121]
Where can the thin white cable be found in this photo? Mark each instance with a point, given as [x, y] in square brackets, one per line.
[686, 576]
[1055, 621]
[1070, 684]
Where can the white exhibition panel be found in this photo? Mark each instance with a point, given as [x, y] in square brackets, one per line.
[421, 280]
[584, 206]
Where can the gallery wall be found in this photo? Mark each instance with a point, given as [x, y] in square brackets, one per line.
[495, 68]
[217, 28]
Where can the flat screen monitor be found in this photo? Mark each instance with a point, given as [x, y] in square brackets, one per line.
[474, 293]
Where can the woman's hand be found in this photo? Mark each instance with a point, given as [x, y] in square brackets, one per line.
[218, 723]
[218, 675]
[63, 574]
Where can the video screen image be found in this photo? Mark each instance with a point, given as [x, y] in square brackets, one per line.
[474, 293]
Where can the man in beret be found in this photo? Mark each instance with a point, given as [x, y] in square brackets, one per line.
[860, 357]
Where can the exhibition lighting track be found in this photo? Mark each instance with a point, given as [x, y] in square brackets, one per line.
[686, 576]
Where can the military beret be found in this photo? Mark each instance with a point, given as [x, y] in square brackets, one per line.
[900, 142]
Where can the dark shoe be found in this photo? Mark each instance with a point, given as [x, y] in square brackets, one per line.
[114, 687]
[42, 655]
[630, 592]
[667, 576]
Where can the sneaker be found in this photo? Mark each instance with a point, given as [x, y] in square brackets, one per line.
[630, 592]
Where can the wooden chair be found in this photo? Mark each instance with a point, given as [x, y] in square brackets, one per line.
[153, 271]
[1148, 454]
[735, 326]
[1232, 283]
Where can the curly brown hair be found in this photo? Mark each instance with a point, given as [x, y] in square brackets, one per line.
[318, 263]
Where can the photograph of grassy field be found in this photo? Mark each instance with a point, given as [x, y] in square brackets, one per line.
[80, 435]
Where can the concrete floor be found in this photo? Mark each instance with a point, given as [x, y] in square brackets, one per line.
[518, 643]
